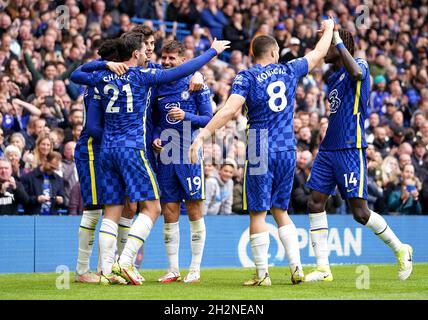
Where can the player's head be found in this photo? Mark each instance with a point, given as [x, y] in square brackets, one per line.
[131, 47]
[348, 41]
[149, 38]
[173, 54]
[108, 50]
[265, 47]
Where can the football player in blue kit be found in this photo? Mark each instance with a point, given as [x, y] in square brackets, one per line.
[341, 160]
[87, 155]
[179, 115]
[268, 90]
[126, 170]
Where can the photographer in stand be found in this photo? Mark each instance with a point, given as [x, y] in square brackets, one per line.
[12, 192]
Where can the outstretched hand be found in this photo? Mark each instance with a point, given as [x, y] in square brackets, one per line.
[220, 45]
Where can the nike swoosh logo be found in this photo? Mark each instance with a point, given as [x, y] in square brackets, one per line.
[325, 276]
[160, 98]
[193, 193]
[349, 190]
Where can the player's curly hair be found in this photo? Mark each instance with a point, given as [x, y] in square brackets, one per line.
[108, 50]
[348, 40]
[143, 29]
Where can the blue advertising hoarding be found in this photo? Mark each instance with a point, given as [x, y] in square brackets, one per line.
[41, 244]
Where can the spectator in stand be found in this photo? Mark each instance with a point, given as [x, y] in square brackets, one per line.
[69, 171]
[405, 198]
[44, 146]
[237, 34]
[292, 52]
[34, 129]
[304, 138]
[214, 19]
[380, 141]
[75, 204]
[378, 95]
[300, 194]
[45, 187]
[219, 190]
[13, 155]
[417, 159]
[12, 192]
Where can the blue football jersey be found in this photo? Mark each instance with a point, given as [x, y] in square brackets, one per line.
[349, 101]
[196, 105]
[91, 99]
[269, 94]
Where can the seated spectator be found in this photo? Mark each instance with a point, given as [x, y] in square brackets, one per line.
[45, 187]
[405, 198]
[12, 192]
[219, 190]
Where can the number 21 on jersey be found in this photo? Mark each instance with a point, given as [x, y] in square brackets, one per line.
[129, 99]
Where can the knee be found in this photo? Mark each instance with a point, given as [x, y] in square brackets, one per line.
[361, 215]
[314, 205]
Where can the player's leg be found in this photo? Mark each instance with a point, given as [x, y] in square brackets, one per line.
[170, 201]
[88, 171]
[376, 223]
[259, 241]
[141, 185]
[287, 233]
[322, 181]
[256, 194]
[112, 187]
[88, 223]
[283, 167]
[192, 188]
[171, 235]
[137, 236]
[352, 184]
[197, 238]
[125, 223]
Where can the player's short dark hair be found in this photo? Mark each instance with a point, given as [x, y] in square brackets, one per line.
[174, 46]
[108, 50]
[128, 43]
[348, 40]
[262, 44]
[146, 31]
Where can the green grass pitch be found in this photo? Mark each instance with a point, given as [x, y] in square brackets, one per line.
[225, 284]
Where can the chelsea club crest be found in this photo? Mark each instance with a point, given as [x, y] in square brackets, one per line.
[185, 95]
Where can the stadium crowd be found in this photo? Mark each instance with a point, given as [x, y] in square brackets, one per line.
[42, 112]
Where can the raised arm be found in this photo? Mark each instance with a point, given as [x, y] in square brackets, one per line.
[315, 56]
[83, 78]
[348, 60]
[166, 76]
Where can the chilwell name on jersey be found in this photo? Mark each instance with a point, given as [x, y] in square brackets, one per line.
[114, 76]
